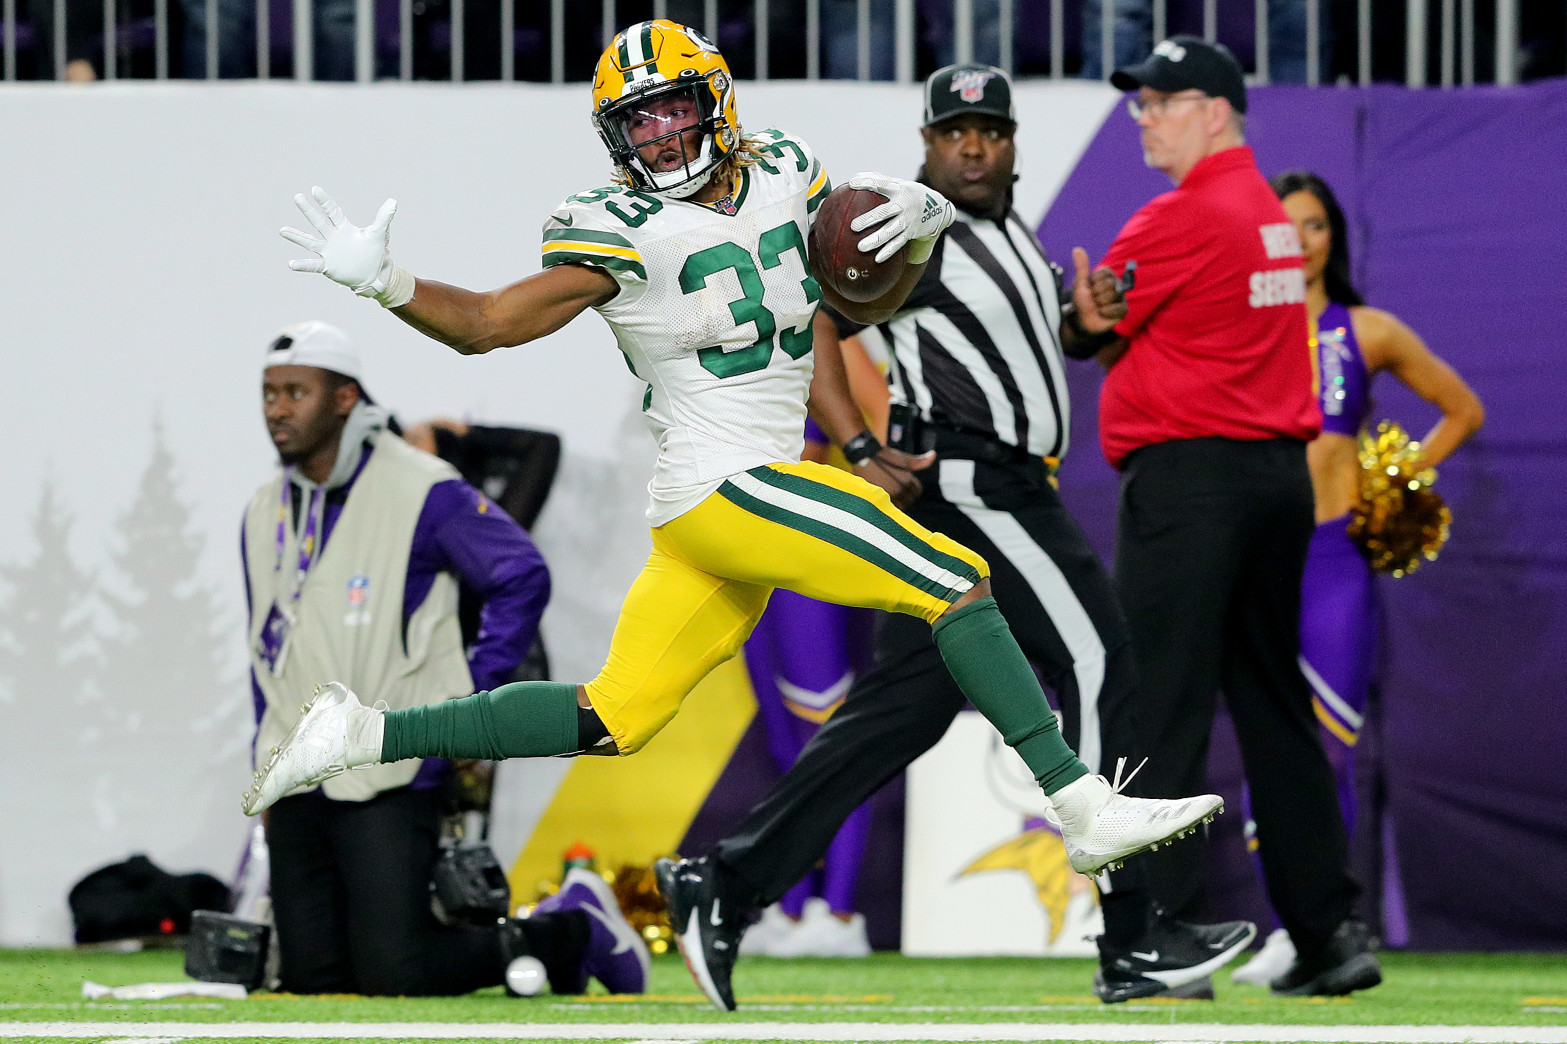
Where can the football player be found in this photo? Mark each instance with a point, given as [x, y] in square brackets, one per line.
[696, 256]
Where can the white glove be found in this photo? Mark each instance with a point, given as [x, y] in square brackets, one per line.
[358, 258]
[913, 214]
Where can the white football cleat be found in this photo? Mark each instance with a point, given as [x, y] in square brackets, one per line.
[317, 748]
[1102, 828]
[1275, 958]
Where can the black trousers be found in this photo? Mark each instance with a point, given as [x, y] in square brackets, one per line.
[1059, 601]
[351, 900]
[1210, 549]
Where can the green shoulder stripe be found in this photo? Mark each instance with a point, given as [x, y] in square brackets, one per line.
[618, 264]
[586, 235]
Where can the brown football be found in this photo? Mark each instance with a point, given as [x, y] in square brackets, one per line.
[853, 274]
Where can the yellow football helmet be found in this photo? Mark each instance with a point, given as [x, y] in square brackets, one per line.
[664, 60]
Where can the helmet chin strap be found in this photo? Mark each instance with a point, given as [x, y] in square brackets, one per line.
[692, 185]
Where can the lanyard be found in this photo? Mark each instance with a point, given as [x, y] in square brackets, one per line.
[307, 541]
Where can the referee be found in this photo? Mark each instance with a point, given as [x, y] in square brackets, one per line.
[977, 374]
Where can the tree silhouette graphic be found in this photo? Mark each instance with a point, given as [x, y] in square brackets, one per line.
[177, 711]
[164, 653]
[46, 640]
[53, 722]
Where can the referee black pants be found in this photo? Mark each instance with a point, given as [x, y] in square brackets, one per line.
[1210, 549]
[1059, 602]
[351, 900]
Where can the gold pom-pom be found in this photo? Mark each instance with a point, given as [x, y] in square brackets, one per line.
[637, 889]
[1400, 520]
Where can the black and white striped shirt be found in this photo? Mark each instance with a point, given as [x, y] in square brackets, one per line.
[976, 345]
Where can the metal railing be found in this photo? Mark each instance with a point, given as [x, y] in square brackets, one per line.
[892, 39]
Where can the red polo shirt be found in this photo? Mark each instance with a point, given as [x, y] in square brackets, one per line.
[1216, 320]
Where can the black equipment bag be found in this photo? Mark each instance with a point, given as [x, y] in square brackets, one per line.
[138, 899]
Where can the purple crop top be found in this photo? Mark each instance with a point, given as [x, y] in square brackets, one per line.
[1345, 384]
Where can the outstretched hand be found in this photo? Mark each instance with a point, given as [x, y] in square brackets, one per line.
[1097, 295]
[358, 258]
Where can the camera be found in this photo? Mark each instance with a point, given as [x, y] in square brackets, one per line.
[469, 885]
[225, 948]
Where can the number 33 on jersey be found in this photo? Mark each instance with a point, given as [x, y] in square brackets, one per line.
[714, 312]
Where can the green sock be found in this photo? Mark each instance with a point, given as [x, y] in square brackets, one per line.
[532, 719]
[994, 674]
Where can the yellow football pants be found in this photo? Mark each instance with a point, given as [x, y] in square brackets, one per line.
[806, 527]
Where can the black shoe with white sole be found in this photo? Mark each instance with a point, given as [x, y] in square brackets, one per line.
[1345, 965]
[1171, 959]
[707, 927]
[1202, 989]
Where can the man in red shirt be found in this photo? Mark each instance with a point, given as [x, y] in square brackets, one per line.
[1206, 410]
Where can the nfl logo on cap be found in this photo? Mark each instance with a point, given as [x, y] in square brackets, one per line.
[960, 90]
[970, 83]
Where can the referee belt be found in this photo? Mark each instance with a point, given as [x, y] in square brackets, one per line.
[971, 445]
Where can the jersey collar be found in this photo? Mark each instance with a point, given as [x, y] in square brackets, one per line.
[736, 202]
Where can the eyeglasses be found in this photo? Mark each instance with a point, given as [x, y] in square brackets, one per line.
[1155, 107]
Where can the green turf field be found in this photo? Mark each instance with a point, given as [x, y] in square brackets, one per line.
[885, 997]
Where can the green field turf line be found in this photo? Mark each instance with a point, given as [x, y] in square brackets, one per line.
[1210, 1033]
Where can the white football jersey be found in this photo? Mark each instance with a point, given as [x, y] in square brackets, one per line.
[714, 313]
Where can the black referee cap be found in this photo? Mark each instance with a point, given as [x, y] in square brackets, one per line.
[961, 89]
[1187, 63]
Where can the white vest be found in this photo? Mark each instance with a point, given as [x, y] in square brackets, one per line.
[349, 623]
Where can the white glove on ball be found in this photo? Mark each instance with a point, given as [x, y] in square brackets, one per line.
[913, 214]
[358, 258]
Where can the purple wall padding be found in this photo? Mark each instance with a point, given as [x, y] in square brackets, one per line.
[1454, 203]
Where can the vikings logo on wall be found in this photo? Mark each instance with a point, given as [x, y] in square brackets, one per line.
[358, 614]
[1067, 896]
[970, 84]
[962, 823]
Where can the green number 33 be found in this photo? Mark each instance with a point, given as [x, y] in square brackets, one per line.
[773, 245]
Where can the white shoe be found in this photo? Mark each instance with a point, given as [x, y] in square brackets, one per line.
[822, 933]
[763, 938]
[329, 738]
[1102, 827]
[1275, 958]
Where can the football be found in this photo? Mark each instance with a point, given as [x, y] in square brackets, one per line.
[853, 274]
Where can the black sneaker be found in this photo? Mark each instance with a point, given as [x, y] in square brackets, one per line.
[1345, 965]
[707, 927]
[1169, 959]
[1201, 989]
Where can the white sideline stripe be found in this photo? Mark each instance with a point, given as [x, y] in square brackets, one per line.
[667, 1033]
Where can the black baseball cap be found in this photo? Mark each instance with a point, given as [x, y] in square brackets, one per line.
[1187, 63]
[961, 89]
